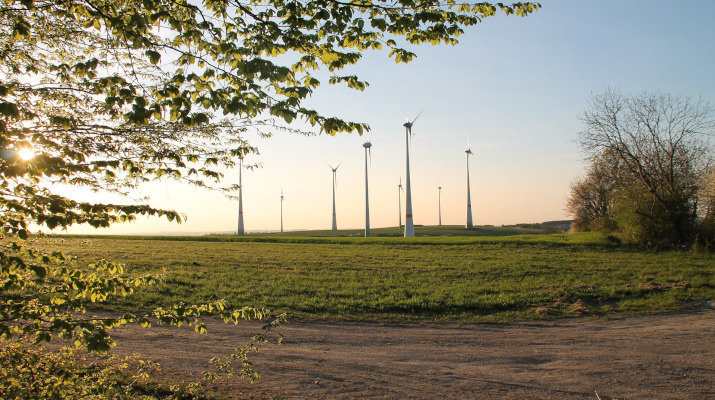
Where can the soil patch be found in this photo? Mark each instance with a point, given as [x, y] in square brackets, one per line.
[647, 357]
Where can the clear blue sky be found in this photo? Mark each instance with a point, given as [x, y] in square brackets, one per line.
[516, 84]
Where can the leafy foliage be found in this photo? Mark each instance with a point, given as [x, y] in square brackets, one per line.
[31, 372]
[108, 94]
[651, 159]
[47, 294]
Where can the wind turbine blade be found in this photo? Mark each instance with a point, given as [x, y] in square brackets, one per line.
[336, 168]
[371, 136]
[369, 155]
[403, 113]
[331, 167]
[418, 115]
[469, 146]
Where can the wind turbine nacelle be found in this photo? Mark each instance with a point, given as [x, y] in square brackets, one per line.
[367, 145]
[407, 125]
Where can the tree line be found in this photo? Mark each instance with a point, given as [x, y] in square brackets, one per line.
[650, 174]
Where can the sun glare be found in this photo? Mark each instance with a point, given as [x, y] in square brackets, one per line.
[26, 154]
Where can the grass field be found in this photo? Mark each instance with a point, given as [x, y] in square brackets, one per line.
[486, 278]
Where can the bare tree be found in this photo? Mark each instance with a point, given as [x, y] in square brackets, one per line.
[662, 142]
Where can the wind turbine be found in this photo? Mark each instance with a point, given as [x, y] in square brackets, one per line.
[367, 145]
[335, 183]
[439, 188]
[281, 210]
[240, 232]
[470, 225]
[409, 224]
[399, 202]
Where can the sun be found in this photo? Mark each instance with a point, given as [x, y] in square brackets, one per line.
[26, 154]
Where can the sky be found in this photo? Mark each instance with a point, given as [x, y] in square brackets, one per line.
[516, 85]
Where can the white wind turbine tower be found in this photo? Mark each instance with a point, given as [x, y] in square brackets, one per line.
[367, 145]
[281, 210]
[399, 203]
[241, 231]
[439, 190]
[335, 183]
[470, 225]
[409, 224]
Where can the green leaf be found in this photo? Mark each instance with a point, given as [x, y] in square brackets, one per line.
[154, 56]
[9, 110]
[40, 271]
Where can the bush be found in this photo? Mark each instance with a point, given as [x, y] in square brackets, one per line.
[650, 169]
[29, 372]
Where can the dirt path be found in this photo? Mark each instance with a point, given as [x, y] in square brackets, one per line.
[650, 357]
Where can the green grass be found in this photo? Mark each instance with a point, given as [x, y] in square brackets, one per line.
[485, 278]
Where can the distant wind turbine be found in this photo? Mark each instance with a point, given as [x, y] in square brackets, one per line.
[409, 224]
[439, 188]
[281, 210]
[470, 225]
[399, 203]
[241, 231]
[335, 183]
[367, 145]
